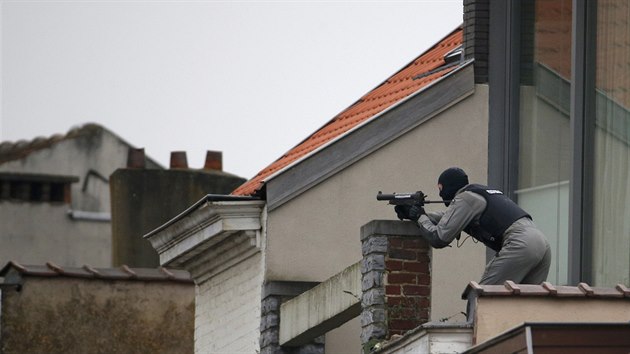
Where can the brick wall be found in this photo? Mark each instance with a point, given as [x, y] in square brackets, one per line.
[407, 283]
[227, 316]
[396, 278]
[476, 35]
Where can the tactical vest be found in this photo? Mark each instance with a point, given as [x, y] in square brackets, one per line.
[499, 214]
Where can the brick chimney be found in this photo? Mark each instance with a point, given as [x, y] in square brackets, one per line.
[136, 158]
[396, 280]
[214, 160]
[179, 159]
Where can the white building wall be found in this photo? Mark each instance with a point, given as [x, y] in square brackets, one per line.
[227, 318]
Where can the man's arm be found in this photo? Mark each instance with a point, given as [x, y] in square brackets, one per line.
[435, 216]
[462, 210]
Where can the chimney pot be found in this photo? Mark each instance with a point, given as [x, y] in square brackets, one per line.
[178, 159]
[214, 160]
[136, 158]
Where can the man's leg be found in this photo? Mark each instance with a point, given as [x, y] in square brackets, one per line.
[509, 264]
[540, 271]
[525, 251]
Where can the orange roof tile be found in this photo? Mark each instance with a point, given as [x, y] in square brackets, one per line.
[399, 86]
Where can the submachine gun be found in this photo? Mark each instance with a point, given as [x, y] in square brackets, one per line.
[418, 198]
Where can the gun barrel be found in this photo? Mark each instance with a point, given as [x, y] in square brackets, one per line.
[393, 196]
[383, 196]
[407, 198]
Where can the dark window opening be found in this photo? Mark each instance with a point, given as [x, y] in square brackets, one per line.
[36, 188]
[57, 192]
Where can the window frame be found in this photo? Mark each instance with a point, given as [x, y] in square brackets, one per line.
[503, 129]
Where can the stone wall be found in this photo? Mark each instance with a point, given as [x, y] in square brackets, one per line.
[75, 315]
[270, 331]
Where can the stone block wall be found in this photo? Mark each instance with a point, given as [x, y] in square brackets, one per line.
[270, 325]
[273, 295]
[270, 330]
[396, 278]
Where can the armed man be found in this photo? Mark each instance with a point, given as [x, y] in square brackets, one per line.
[486, 214]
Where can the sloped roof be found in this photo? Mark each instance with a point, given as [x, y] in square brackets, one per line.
[122, 273]
[10, 151]
[425, 69]
[22, 148]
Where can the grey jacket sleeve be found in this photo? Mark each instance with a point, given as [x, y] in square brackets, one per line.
[464, 208]
[435, 216]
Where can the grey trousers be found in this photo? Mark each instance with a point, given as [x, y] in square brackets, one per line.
[524, 258]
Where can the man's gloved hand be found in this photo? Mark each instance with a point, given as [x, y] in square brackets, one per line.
[415, 211]
[402, 211]
[409, 212]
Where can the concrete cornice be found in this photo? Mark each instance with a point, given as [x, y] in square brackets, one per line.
[202, 228]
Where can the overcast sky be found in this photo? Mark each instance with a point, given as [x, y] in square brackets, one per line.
[249, 78]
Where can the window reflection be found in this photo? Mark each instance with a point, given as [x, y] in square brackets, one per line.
[544, 123]
[611, 211]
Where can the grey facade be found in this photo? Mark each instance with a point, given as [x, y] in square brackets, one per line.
[55, 200]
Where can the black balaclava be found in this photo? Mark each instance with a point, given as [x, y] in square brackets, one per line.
[452, 180]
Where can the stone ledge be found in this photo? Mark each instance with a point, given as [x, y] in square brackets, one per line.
[389, 228]
[321, 309]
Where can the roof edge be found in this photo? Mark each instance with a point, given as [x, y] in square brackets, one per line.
[23, 148]
[360, 141]
[124, 273]
[367, 121]
[545, 289]
[402, 68]
[427, 61]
